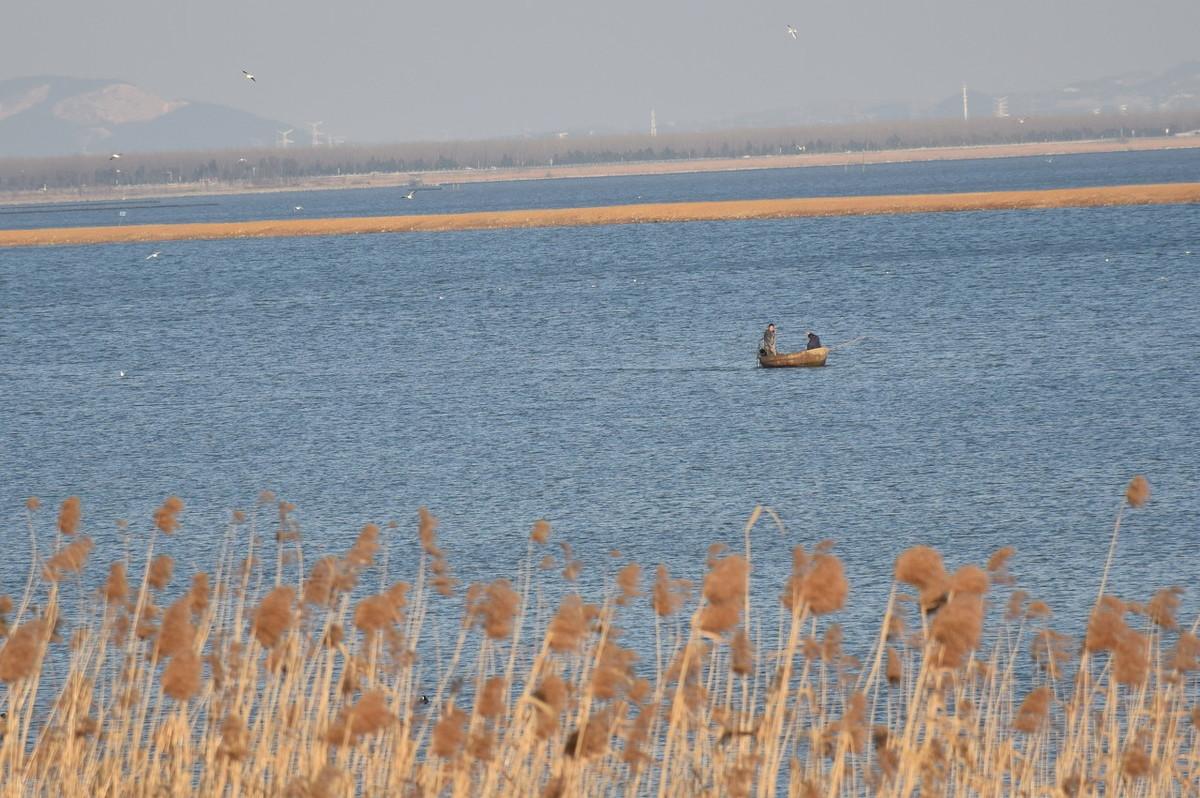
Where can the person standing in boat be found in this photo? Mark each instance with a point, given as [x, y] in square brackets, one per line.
[814, 342]
[767, 345]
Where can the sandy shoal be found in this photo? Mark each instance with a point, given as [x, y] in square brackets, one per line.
[1153, 194]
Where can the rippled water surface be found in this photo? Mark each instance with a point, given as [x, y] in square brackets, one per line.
[1015, 369]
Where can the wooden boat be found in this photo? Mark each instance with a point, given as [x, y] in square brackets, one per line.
[809, 357]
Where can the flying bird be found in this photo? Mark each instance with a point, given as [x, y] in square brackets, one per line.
[411, 194]
[790, 29]
[115, 156]
[154, 255]
[248, 76]
[298, 208]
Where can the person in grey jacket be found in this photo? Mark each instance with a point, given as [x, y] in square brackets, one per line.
[767, 345]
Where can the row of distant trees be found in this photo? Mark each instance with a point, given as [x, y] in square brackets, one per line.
[285, 166]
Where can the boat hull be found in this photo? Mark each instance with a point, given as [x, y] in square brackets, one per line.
[809, 357]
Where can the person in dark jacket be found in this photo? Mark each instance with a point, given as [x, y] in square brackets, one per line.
[813, 341]
[767, 345]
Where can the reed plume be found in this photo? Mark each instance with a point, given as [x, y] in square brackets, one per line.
[166, 517]
[68, 515]
[274, 616]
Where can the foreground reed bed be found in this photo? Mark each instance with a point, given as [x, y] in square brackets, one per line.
[273, 673]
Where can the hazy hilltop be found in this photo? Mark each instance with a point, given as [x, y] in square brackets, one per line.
[51, 115]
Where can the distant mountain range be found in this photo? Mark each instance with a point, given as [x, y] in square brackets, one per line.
[59, 116]
[62, 116]
[1177, 89]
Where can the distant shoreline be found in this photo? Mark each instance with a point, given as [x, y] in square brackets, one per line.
[624, 169]
[1155, 194]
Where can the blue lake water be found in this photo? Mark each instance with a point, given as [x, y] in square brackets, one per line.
[1016, 369]
[1060, 171]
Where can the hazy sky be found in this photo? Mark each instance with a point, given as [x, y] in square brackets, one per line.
[400, 70]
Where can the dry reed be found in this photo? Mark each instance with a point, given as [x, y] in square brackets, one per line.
[258, 676]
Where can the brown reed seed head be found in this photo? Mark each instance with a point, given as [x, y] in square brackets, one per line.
[318, 588]
[199, 594]
[1138, 491]
[1135, 760]
[374, 614]
[922, 568]
[491, 698]
[427, 525]
[970, 579]
[274, 616]
[234, 738]
[166, 517]
[628, 580]
[1050, 650]
[6, 604]
[1131, 663]
[1034, 711]
[331, 782]
[1185, 656]
[70, 558]
[741, 654]
[496, 608]
[957, 628]
[1038, 609]
[161, 568]
[1162, 607]
[572, 570]
[569, 624]
[852, 726]
[22, 650]
[362, 553]
[1106, 626]
[541, 531]
[449, 734]
[895, 667]
[181, 677]
[614, 670]
[593, 739]
[825, 588]
[550, 698]
[177, 634]
[69, 515]
[481, 746]
[725, 591]
[116, 587]
[369, 716]
[998, 562]
[33, 503]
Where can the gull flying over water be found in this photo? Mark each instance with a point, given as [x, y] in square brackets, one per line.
[793, 32]
[248, 76]
[411, 194]
[115, 156]
[154, 255]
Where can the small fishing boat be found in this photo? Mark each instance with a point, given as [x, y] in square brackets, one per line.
[809, 357]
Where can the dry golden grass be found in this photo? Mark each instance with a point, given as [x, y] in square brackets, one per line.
[1156, 194]
[263, 676]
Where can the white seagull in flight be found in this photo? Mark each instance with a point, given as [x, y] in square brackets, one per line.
[248, 76]
[793, 32]
[115, 156]
[154, 255]
[411, 194]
